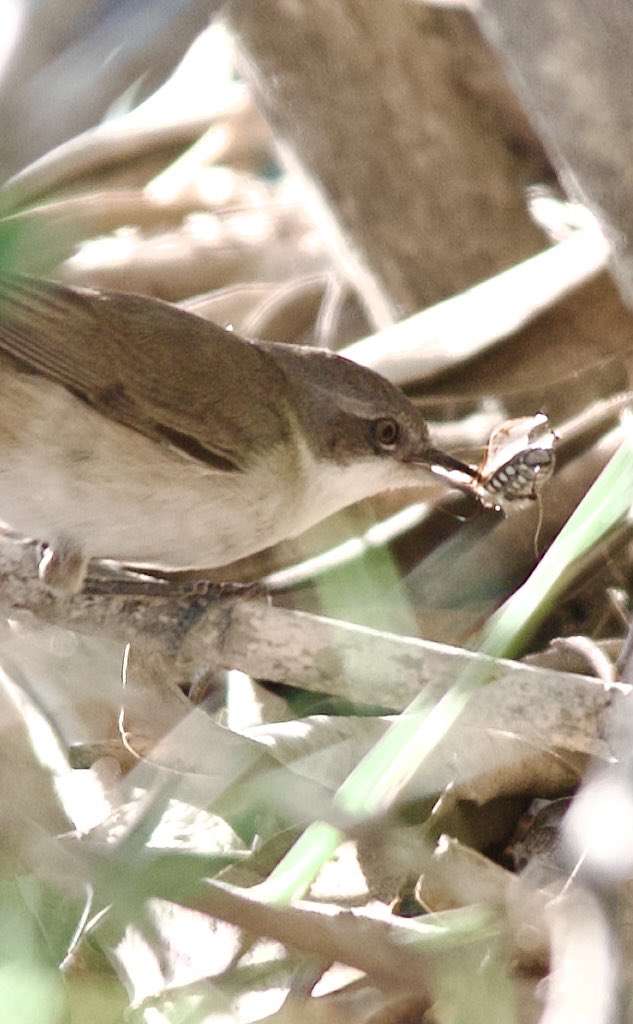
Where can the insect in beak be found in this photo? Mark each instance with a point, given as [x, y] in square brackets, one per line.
[519, 461]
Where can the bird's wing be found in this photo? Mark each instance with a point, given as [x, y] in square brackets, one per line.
[147, 364]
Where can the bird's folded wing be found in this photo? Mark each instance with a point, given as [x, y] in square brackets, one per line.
[148, 365]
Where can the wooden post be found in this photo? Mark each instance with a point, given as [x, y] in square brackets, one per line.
[368, 100]
[571, 62]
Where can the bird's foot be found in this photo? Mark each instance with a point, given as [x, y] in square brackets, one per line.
[151, 586]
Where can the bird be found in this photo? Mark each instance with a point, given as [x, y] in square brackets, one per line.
[135, 431]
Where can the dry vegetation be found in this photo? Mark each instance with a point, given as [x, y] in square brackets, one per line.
[339, 173]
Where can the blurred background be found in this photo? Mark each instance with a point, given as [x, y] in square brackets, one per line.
[445, 198]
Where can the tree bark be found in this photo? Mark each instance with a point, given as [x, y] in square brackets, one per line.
[371, 101]
[571, 64]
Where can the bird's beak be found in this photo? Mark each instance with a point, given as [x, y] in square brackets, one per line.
[455, 472]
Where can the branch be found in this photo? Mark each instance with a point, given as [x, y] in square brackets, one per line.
[318, 654]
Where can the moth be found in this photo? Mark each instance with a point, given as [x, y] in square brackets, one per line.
[519, 461]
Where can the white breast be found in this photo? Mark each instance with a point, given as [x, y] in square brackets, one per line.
[66, 471]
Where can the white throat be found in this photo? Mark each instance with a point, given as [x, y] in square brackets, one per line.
[328, 487]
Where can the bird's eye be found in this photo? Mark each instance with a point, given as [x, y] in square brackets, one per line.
[386, 433]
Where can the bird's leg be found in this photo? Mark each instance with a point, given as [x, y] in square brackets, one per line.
[62, 566]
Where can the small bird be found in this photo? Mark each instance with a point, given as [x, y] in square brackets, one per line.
[134, 431]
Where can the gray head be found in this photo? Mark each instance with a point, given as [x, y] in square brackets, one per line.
[351, 414]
